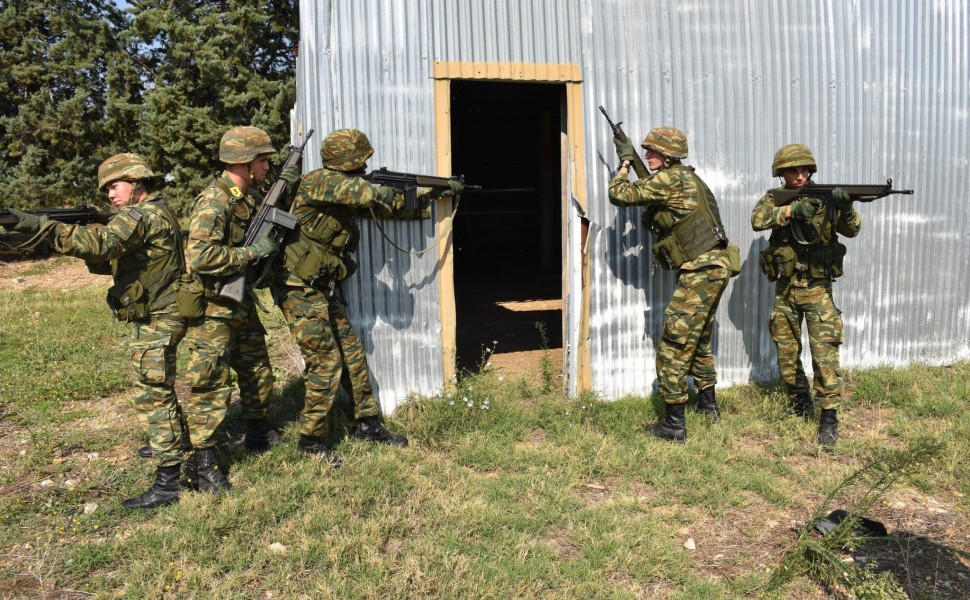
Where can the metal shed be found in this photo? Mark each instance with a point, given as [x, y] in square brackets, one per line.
[877, 90]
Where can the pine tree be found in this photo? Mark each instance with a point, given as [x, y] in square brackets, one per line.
[54, 125]
[210, 66]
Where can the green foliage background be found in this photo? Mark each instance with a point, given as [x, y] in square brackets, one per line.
[84, 80]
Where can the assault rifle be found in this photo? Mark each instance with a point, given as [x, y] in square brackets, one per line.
[78, 215]
[269, 217]
[638, 167]
[409, 183]
[858, 193]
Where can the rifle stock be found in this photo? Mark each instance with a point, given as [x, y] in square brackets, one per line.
[638, 167]
[269, 217]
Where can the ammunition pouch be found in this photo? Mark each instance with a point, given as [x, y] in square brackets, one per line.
[99, 268]
[734, 260]
[694, 235]
[189, 296]
[310, 262]
[128, 301]
[815, 262]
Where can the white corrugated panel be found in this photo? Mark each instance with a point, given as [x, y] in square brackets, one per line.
[877, 89]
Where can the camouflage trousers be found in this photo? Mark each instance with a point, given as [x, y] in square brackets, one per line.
[153, 345]
[813, 304]
[217, 344]
[332, 352]
[685, 344]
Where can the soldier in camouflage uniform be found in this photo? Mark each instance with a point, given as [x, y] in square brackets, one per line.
[230, 334]
[683, 215]
[317, 258]
[804, 256]
[141, 247]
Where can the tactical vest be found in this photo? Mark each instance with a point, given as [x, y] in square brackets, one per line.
[813, 252]
[239, 216]
[316, 250]
[686, 238]
[143, 283]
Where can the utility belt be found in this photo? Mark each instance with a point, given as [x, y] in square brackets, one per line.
[136, 300]
[808, 262]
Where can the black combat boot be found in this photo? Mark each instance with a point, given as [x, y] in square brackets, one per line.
[164, 491]
[707, 403]
[828, 428]
[208, 475]
[800, 406]
[315, 447]
[372, 430]
[672, 425]
[257, 435]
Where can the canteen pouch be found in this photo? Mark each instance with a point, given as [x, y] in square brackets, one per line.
[189, 296]
[777, 262]
[129, 303]
[734, 260]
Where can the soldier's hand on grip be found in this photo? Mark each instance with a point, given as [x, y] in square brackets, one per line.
[28, 223]
[842, 199]
[805, 208]
[625, 149]
[456, 186]
[264, 247]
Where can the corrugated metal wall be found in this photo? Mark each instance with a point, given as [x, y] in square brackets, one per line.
[877, 89]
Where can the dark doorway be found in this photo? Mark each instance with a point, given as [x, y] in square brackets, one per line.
[507, 137]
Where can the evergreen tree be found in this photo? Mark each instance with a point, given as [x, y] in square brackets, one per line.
[210, 66]
[55, 56]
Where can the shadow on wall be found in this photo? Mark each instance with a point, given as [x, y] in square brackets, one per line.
[748, 308]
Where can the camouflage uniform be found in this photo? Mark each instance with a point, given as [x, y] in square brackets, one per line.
[806, 295]
[140, 248]
[230, 334]
[315, 261]
[685, 345]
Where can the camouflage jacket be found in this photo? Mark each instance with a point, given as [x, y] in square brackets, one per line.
[767, 215]
[327, 206]
[217, 228]
[670, 195]
[140, 243]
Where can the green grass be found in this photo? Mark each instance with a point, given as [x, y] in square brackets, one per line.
[507, 489]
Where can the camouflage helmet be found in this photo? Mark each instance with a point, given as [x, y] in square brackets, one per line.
[123, 167]
[241, 145]
[668, 141]
[346, 150]
[793, 155]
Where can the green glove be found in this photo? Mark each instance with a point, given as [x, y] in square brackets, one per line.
[805, 208]
[264, 247]
[625, 150]
[456, 185]
[842, 200]
[389, 195]
[291, 174]
[28, 223]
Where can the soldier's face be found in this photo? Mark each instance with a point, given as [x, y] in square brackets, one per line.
[796, 177]
[259, 167]
[120, 193]
[655, 160]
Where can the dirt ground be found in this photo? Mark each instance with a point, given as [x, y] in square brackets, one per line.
[927, 533]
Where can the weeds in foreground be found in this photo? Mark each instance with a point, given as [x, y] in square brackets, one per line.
[859, 492]
[545, 363]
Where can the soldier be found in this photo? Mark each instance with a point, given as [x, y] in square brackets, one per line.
[317, 258]
[683, 215]
[804, 256]
[230, 334]
[141, 247]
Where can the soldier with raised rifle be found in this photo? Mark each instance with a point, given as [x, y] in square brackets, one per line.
[141, 248]
[683, 214]
[316, 259]
[229, 333]
[803, 258]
